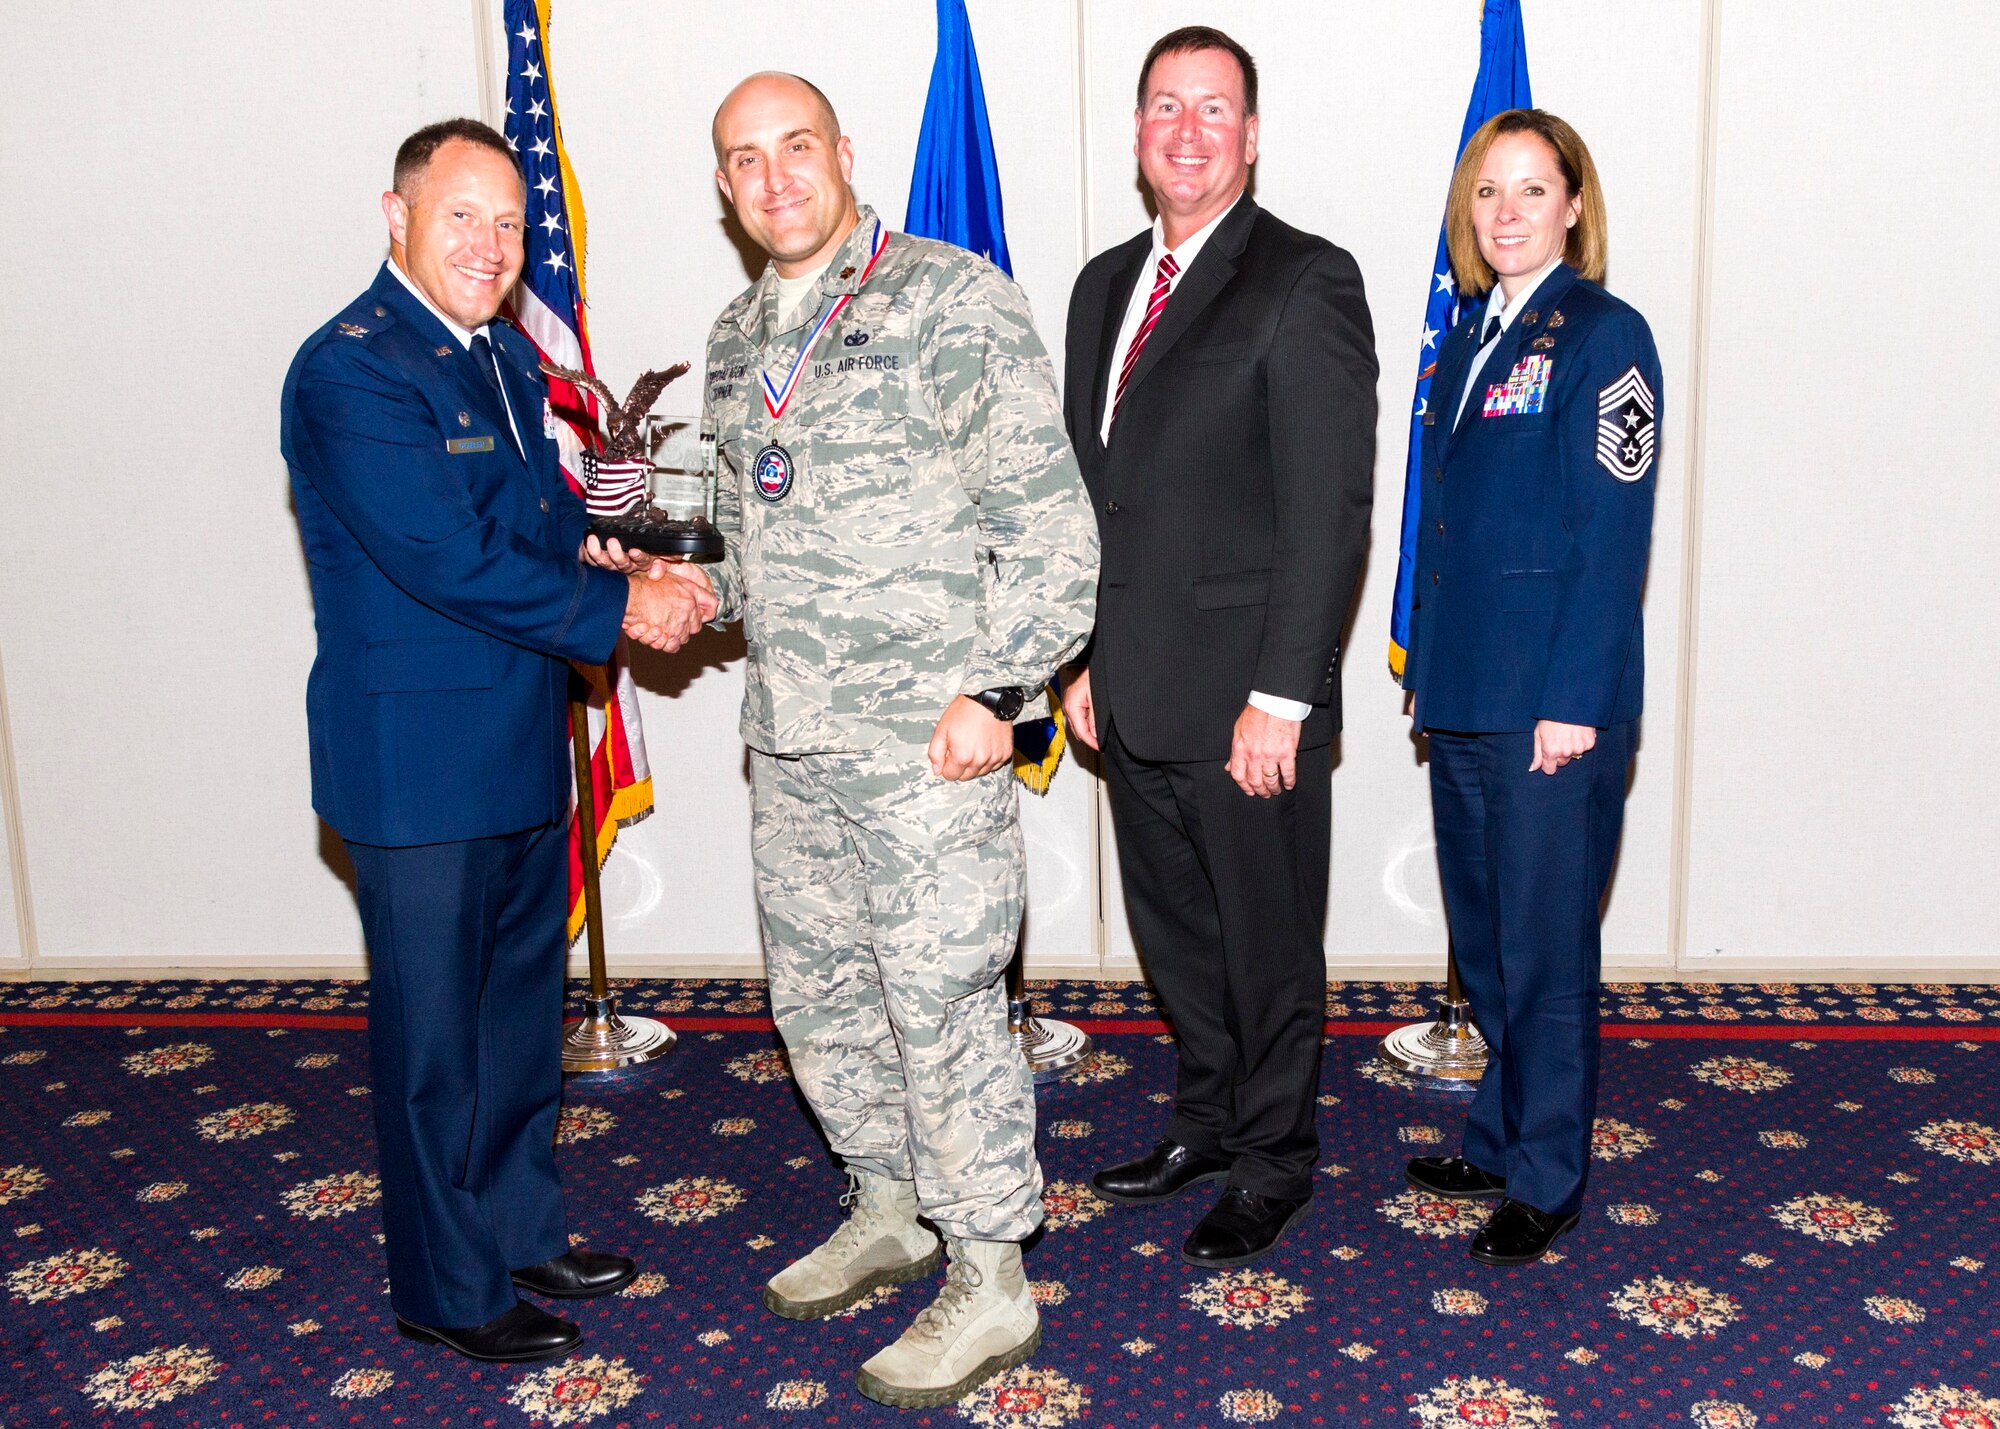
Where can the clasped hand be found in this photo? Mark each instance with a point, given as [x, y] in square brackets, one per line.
[666, 602]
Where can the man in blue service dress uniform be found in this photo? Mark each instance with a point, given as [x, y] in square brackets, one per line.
[443, 549]
[1538, 480]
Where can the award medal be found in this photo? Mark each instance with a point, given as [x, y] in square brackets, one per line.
[772, 471]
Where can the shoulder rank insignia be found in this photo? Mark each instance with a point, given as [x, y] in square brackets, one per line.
[1625, 426]
[848, 271]
[353, 330]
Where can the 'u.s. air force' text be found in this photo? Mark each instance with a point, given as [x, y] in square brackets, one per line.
[872, 362]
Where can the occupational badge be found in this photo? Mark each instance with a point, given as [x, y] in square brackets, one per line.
[661, 509]
[1625, 426]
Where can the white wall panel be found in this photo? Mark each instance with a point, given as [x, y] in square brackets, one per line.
[202, 190]
[195, 192]
[1850, 511]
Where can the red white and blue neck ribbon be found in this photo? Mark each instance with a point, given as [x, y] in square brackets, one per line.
[777, 398]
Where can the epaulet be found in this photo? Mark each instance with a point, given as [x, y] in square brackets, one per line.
[364, 319]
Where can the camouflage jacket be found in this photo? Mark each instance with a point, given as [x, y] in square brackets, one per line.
[932, 536]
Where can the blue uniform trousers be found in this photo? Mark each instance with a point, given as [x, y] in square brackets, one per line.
[466, 946]
[1524, 859]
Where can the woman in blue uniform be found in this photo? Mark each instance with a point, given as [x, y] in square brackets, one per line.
[1526, 655]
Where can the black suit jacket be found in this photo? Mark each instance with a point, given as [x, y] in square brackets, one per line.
[1233, 499]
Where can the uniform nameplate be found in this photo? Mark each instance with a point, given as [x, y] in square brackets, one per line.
[459, 446]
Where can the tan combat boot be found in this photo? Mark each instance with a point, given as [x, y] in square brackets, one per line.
[983, 1321]
[880, 1243]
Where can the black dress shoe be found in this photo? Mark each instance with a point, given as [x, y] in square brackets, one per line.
[517, 1335]
[577, 1275]
[1240, 1227]
[1453, 1177]
[1518, 1234]
[1160, 1175]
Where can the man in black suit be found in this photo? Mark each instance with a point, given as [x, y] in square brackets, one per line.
[1220, 392]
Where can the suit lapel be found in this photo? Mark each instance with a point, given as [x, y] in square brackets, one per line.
[1198, 287]
[1119, 297]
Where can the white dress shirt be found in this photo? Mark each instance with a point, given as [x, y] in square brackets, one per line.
[1135, 314]
[465, 337]
[1498, 306]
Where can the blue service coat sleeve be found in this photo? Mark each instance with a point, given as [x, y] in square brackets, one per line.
[1608, 515]
[375, 454]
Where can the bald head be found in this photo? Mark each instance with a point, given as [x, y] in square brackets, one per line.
[771, 85]
[784, 166]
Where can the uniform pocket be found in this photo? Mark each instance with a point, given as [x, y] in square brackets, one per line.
[394, 667]
[1528, 590]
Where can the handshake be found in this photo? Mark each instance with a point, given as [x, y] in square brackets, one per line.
[667, 600]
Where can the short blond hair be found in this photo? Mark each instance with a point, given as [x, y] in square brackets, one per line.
[1588, 241]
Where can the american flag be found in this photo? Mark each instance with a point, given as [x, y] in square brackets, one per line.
[549, 308]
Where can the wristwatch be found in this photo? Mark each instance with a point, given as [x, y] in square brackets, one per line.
[1003, 702]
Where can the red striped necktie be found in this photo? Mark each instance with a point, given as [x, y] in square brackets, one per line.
[1163, 284]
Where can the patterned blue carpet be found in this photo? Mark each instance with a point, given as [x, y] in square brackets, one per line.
[1794, 1219]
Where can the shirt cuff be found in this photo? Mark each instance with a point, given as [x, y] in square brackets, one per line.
[1293, 710]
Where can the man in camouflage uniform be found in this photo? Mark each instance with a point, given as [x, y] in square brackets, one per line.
[912, 555]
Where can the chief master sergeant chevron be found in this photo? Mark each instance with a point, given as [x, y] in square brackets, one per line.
[912, 555]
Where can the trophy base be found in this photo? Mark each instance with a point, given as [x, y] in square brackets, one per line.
[1447, 1051]
[656, 534]
[603, 1041]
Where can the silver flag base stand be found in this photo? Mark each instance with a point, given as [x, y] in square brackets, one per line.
[1447, 1049]
[1050, 1047]
[603, 1041]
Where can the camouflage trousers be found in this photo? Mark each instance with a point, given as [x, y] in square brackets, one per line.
[890, 901]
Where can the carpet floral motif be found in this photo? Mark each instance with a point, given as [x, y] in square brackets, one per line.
[1476, 1400]
[17, 1183]
[791, 1395]
[1070, 1203]
[576, 1390]
[330, 1196]
[1741, 1074]
[1675, 1307]
[1721, 1414]
[689, 1199]
[581, 1123]
[1614, 1140]
[765, 1065]
[239, 1122]
[74, 1272]
[1025, 1398]
[1833, 1218]
[1960, 1140]
[1434, 1216]
[1248, 1299]
[160, 1061]
[1250, 1406]
[1892, 1310]
[1458, 1302]
[364, 1383]
[150, 1380]
[1944, 1406]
